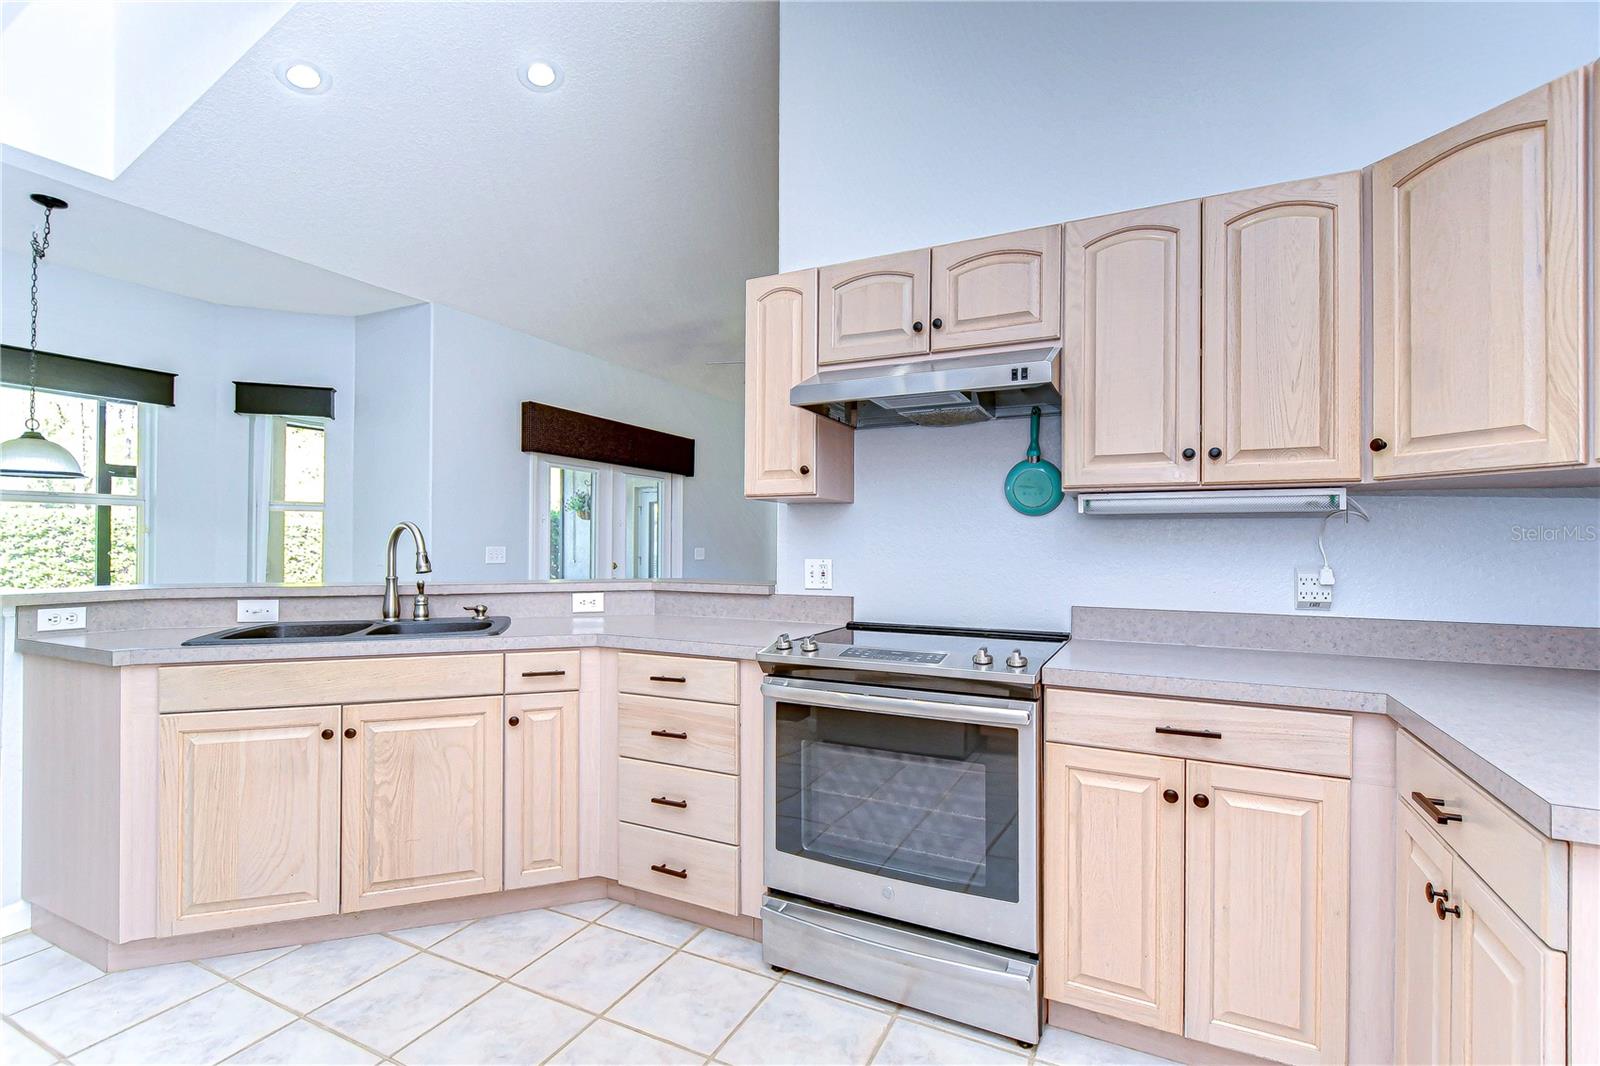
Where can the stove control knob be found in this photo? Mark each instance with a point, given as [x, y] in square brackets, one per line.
[783, 643]
[1016, 660]
[808, 644]
[983, 658]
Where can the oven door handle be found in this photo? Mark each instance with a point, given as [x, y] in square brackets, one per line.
[903, 706]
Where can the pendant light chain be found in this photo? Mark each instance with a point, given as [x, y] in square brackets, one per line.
[40, 246]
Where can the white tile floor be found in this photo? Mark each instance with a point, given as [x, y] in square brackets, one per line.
[593, 982]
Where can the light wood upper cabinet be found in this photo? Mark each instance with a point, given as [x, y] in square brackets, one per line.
[249, 818]
[874, 308]
[1267, 914]
[541, 789]
[1477, 292]
[1508, 990]
[789, 453]
[1131, 349]
[1113, 919]
[1281, 388]
[997, 290]
[422, 801]
[1422, 945]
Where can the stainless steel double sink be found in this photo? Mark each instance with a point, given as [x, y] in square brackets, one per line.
[364, 630]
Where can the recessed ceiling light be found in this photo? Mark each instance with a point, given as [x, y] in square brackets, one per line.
[303, 77]
[541, 76]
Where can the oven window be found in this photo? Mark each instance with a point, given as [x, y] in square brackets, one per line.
[913, 799]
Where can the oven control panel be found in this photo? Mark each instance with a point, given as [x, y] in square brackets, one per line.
[890, 655]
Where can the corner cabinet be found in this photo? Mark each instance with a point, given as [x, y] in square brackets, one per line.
[1478, 358]
[1131, 349]
[789, 453]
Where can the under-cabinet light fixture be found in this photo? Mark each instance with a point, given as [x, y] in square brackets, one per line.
[1269, 502]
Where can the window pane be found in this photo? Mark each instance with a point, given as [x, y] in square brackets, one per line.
[46, 545]
[65, 420]
[294, 547]
[122, 434]
[303, 464]
[572, 523]
[643, 518]
[124, 545]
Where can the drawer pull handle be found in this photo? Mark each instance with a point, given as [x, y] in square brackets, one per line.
[680, 804]
[544, 673]
[663, 868]
[1441, 910]
[1174, 731]
[669, 734]
[664, 677]
[1431, 808]
[1435, 893]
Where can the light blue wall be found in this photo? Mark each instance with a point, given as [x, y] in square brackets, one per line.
[394, 431]
[903, 125]
[482, 373]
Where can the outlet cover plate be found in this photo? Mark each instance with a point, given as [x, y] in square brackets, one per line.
[588, 602]
[1310, 594]
[494, 553]
[50, 619]
[819, 573]
[258, 611]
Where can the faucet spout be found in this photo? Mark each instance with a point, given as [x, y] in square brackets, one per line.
[391, 580]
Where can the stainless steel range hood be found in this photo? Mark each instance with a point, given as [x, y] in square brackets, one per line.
[943, 390]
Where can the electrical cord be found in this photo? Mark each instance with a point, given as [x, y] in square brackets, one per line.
[1350, 505]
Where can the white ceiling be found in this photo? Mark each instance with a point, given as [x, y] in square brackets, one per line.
[107, 237]
[619, 215]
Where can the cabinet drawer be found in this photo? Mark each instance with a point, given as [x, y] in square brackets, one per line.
[683, 733]
[224, 686]
[670, 864]
[542, 671]
[1308, 741]
[715, 680]
[696, 802]
[1525, 868]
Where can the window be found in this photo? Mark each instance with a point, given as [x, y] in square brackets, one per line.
[596, 521]
[64, 533]
[291, 475]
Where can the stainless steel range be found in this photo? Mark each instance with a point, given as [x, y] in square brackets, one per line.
[902, 837]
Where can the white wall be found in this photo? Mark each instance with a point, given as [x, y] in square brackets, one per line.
[201, 500]
[394, 426]
[482, 373]
[903, 125]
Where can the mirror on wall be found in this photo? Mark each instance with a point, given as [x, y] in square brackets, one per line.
[416, 418]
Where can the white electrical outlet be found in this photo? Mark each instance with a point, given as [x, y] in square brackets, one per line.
[588, 602]
[495, 553]
[819, 573]
[50, 618]
[258, 611]
[1310, 594]
[699, 553]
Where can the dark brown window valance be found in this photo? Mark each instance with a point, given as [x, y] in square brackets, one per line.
[261, 398]
[557, 431]
[88, 377]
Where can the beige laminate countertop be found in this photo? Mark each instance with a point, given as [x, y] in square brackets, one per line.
[1529, 736]
[729, 638]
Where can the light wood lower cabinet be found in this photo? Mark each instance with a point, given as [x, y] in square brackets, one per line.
[1267, 897]
[541, 789]
[1473, 984]
[249, 818]
[1201, 898]
[422, 801]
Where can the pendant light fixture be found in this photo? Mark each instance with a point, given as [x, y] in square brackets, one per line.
[31, 455]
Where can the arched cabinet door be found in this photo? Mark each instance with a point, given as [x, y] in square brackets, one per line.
[1130, 348]
[1281, 387]
[997, 290]
[874, 309]
[1477, 293]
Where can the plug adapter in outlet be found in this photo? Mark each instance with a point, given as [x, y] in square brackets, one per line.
[1310, 594]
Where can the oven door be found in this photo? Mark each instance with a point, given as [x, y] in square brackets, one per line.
[918, 806]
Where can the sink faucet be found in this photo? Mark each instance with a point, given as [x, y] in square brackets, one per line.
[391, 581]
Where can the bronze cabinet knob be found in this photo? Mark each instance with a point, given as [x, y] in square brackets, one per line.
[1188, 454]
[350, 733]
[1434, 893]
[513, 721]
[1201, 800]
[1377, 444]
[804, 469]
[1215, 453]
[1442, 911]
[938, 323]
[1170, 795]
[916, 327]
[327, 734]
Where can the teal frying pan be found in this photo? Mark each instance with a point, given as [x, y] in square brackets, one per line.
[1034, 486]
